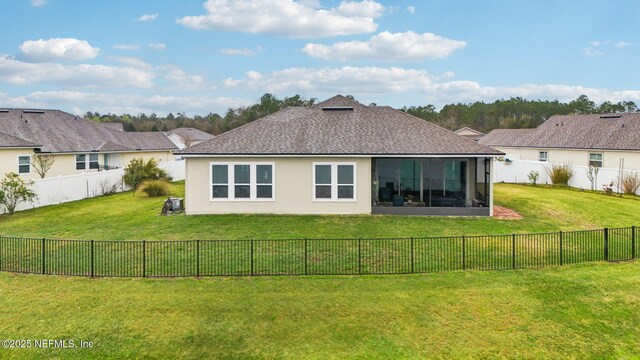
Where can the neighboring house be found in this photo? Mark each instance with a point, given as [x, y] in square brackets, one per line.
[187, 137]
[340, 157]
[469, 133]
[78, 145]
[599, 140]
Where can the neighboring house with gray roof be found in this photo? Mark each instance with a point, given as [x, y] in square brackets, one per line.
[601, 140]
[185, 137]
[340, 157]
[79, 145]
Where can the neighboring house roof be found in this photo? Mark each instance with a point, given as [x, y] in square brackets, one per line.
[469, 133]
[8, 141]
[604, 132]
[190, 134]
[57, 131]
[114, 125]
[340, 126]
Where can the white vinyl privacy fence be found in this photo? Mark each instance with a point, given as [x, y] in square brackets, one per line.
[64, 189]
[517, 171]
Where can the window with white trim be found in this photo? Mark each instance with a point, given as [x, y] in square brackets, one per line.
[81, 161]
[93, 161]
[596, 159]
[334, 181]
[24, 164]
[543, 156]
[242, 181]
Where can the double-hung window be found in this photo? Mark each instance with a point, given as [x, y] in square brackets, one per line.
[334, 181]
[596, 159]
[93, 161]
[81, 161]
[543, 156]
[24, 164]
[242, 181]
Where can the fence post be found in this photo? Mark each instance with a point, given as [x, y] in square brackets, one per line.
[198, 258]
[43, 256]
[412, 257]
[305, 256]
[92, 260]
[633, 242]
[606, 244]
[359, 255]
[144, 258]
[513, 251]
[464, 259]
[561, 259]
[251, 257]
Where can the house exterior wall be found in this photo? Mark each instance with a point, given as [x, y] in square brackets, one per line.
[578, 157]
[293, 188]
[65, 164]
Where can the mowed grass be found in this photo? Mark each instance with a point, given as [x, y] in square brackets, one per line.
[579, 311]
[127, 217]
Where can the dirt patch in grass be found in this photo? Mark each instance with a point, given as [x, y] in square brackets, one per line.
[501, 212]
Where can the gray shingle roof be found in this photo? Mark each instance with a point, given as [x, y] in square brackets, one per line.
[340, 126]
[190, 134]
[613, 132]
[57, 131]
[469, 133]
[8, 141]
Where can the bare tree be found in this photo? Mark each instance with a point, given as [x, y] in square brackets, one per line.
[42, 163]
[188, 140]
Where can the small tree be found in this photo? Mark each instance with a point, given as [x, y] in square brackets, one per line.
[533, 177]
[42, 163]
[592, 175]
[139, 171]
[15, 190]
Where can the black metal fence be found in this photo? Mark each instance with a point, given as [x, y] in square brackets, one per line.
[313, 256]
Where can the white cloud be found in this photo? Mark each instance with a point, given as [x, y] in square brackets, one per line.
[335, 80]
[411, 9]
[157, 46]
[147, 17]
[58, 49]
[287, 17]
[131, 61]
[388, 46]
[14, 71]
[242, 52]
[180, 80]
[118, 103]
[622, 44]
[126, 47]
[591, 51]
[38, 3]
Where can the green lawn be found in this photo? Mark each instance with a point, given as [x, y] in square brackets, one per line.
[125, 217]
[579, 311]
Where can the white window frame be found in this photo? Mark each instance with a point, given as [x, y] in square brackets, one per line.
[76, 162]
[253, 181]
[334, 182]
[87, 162]
[18, 168]
[596, 153]
[97, 156]
[546, 158]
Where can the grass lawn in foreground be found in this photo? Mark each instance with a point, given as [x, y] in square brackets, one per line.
[127, 217]
[579, 311]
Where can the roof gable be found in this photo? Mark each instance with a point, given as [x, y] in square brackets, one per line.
[340, 126]
[8, 141]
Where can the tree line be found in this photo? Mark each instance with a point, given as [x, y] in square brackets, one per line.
[513, 113]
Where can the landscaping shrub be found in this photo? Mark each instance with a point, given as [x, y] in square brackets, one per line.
[560, 174]
[630, 183]
[138, 172]
[15, 190]
[533, 177]
[154, 188]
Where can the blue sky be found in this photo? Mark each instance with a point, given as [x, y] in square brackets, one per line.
[204, 56]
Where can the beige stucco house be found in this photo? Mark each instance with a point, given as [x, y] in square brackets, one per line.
[339, 157]
[78, 145]
[598, 140]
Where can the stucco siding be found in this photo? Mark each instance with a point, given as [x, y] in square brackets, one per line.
[293, 188]
[65, 164]
[575, 156]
